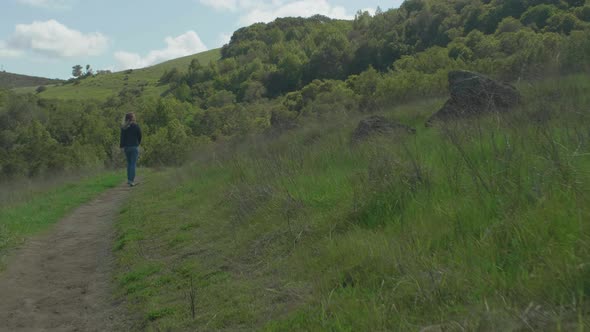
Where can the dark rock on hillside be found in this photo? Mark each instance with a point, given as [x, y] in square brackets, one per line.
[379, 125]
[472, 94]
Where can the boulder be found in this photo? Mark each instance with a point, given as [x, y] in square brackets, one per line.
[379, 125]
[473, 94]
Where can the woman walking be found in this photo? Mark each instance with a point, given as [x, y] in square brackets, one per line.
[130, 141]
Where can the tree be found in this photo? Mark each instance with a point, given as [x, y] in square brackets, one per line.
[538, 15]
[251, 91]
[182, 92]
[562, 23]
[575, 3]
[509, 24]
[88, 71]
[221, 98]
[583, 13]
[331, 59]
[365, 86]
[77, 71]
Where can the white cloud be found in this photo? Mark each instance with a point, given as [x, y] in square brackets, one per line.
[300, 8]
[254, 11]
[371, 11]
[224, 38]
[233, 5]
[7, 52]
[54, 39]
[185, 44]
[52, 4]
[220, 4]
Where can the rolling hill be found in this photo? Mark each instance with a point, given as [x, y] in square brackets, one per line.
[264, 209]
[11, 80]
[144, 80]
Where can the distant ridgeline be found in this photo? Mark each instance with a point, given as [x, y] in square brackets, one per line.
[10, 80]
[269, 75]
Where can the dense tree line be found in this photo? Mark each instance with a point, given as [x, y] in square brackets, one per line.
[40, 137]
[272, 59]
[271, 74]
[376, 60]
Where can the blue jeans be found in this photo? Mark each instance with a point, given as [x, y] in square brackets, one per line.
[131, 153]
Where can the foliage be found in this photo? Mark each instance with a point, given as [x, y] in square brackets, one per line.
[77, 71]
[105, 85]
[411, 48]
[276, 74]
[476, 225]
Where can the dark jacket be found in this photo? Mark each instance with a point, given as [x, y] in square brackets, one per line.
[130, 136]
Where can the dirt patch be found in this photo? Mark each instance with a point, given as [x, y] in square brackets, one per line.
[62, 280]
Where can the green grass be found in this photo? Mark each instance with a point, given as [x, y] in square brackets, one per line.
[104, 86]
[10, 80]
[34, 212]
[25, 90]
[478, 225]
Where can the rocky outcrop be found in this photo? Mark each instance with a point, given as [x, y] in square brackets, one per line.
[379, 125]
[473, 94]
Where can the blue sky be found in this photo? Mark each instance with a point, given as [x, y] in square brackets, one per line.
[47, 37]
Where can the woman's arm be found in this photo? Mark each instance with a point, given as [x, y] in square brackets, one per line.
[121, 143]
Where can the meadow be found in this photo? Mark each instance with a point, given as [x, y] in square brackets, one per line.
[480, 224]
[103, 86]
[280, 221]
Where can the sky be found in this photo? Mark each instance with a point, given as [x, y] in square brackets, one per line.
[47, 37]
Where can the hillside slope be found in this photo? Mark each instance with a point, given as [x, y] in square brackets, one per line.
[10, 80]
[478, 225]
[143, 80]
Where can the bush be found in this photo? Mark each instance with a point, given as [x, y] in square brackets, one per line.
[168, 146]
[538, 16]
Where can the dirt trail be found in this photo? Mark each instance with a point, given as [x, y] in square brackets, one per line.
[61, 280]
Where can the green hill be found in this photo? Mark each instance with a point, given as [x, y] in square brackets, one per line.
[478, 225]
[10, 81]
[144, 80]
[281, 221]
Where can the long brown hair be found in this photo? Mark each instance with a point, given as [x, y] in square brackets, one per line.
[129, 119]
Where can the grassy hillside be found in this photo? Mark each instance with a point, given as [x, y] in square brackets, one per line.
[480, 225]
[10, 80]
[146, 80]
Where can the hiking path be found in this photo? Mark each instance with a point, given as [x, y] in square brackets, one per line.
[61, 280]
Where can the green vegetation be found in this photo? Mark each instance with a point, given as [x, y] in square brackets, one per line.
[10, 80]
[481, 224]
[271, 76]
[413, 46]
[76, 125]
[282, 223]
[28, 209]
[139, 82]
[40, 137]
